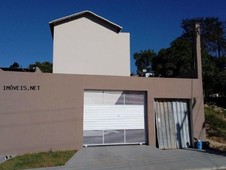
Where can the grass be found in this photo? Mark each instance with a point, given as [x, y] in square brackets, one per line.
[37, 160]
[215, 123]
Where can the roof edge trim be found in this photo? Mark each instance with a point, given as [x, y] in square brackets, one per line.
[73, 16]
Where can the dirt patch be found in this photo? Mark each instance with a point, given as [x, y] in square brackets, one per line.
[217, 144]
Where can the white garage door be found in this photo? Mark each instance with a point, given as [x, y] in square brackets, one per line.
[114, 117]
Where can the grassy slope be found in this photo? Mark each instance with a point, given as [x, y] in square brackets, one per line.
[216, 126]
[37, 160]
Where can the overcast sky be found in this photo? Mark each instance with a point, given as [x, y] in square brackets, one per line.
[25, 35]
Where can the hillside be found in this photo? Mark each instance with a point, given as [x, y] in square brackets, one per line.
[216, 126]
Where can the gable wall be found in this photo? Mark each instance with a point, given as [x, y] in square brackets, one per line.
[85, 47]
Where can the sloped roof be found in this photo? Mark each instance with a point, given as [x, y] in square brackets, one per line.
[88, 14]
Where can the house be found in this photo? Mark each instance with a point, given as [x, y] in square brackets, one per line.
[42, 112]
[85, 43]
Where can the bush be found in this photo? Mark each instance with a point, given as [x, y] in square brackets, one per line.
[216, 124]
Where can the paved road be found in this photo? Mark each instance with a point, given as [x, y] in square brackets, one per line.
[142, 158]
[2, 158]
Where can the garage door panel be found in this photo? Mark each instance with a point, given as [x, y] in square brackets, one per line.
[115, 119]
[114, 136]
[135, 136]
[92, 137]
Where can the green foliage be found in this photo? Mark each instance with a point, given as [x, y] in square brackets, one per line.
[45, 67]
[216, 123]
[163, 64]
[144, 60]
[15, 65]
[213, 34]
[214, 75]
[213, 42]
[37, 160]
[209, 74]
[176, 60]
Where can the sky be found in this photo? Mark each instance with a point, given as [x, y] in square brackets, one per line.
[25, 35]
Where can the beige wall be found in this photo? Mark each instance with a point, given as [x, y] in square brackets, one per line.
[82, 46]
[51, 117]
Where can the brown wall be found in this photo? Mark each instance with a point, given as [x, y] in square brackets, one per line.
[52, 117]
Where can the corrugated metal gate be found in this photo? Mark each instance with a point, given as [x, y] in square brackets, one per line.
[172, 123]
[113, 117]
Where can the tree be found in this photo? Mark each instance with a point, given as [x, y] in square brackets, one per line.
[213, 33]
[181, 56]
[213, 44]
[15, 65]
[162, 64]
[175, 61]
[220, 76]
[45, 67]
[178, 59]
[209, 72]
[144, 61]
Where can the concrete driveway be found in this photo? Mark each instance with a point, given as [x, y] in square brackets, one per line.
[142, 158]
